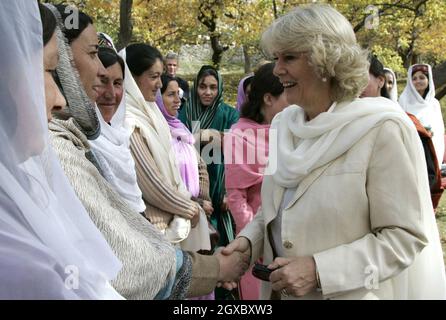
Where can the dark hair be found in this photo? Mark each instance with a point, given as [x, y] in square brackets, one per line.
[246, 83]
[109, 57]
[141, 57]
[165, 79]
[49, 23]
[377, 69]
[72, 33]
[263, 82]
[205, 73]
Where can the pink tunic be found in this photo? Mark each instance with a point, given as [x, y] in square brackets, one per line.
[246, 154]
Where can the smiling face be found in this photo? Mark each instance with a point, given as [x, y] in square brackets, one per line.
[90, 68]
[53, 97]
[301, 83]
[420, 82]
[149, 82]
[171, 98]
[108, 102]
[207, 90]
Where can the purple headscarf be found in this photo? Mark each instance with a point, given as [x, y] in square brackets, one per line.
[183, 145]
[241, 94]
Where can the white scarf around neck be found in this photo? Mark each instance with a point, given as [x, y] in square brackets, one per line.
[146, 116]
[307, 145]
[304, 146]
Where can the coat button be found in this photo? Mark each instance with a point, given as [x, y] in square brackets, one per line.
[287, 244]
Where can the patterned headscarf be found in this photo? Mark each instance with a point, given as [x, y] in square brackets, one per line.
[79, 105]
[194, 109]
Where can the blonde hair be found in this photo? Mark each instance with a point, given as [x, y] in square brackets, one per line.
[329, 38]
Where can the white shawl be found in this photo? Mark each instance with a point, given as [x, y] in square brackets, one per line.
[307, 145]
[147, 117]
[394, 92]
[113, 153]
[427, 110]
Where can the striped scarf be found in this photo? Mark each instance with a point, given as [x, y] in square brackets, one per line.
[194, 109]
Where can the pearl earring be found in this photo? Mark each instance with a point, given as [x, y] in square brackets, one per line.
[324, 79]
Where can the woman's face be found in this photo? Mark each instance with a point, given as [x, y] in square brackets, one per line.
[207, 90]
[90, 68]
[112, 91]
[389, 81]
[374, 86]
[149, 82]
[420, 82]
[300, 81]
[53, 97]
[171, 98]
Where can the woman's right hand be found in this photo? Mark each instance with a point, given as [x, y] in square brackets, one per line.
[240, 244]
[207, 207]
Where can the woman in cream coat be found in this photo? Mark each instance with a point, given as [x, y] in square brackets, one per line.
[346, 212]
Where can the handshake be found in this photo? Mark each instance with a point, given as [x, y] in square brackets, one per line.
[234, 262]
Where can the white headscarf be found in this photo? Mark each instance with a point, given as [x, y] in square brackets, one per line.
[147, 117]
[394, 92]
[115, 159]
[50, 249]
[427, 110]
[307, 145]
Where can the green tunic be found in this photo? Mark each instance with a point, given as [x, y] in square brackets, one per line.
[221, 117]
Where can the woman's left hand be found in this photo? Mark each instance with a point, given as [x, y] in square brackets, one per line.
[295, 276]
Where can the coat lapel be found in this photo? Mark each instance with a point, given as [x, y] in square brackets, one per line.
[306, 183]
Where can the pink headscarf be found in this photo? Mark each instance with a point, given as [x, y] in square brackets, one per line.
[246, 137]
[241, 94]
[183, 144]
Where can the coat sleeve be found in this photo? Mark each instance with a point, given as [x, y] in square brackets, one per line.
[395, 210]
[254, 232]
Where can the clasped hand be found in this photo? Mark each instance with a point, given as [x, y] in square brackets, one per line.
[239, 247]
[294, 276]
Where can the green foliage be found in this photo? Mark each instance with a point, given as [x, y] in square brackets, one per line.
[406, 31]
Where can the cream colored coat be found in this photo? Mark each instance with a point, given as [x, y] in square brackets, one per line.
[358, 214]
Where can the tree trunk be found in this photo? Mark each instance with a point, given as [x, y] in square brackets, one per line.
[125, 24]
[440, 94]
[218, 51]
[440, 80]
[207, 15]
[247, 59]
[275, 9]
